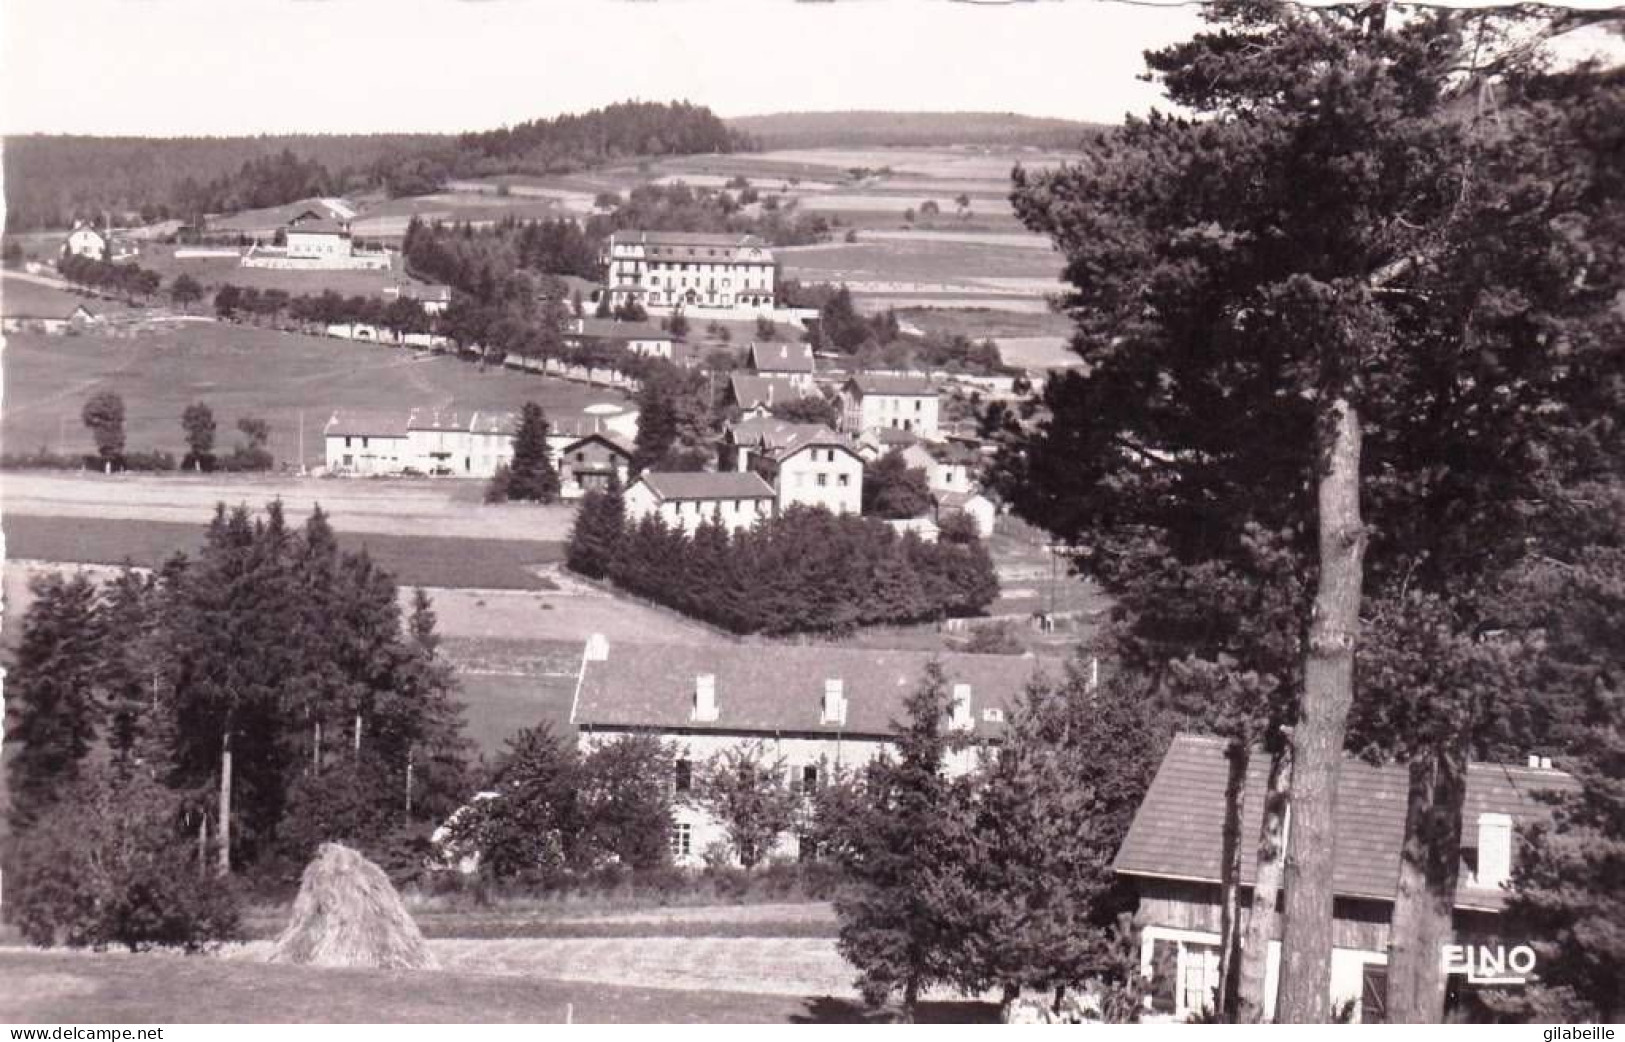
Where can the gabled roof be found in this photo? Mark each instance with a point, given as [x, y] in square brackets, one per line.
[493, 422]
[769, 688]
[1177, 832]
[770, 432]
[577, 426]
[435, 420]
[887, 383]
[366, 425]
[706, 485]
[751, 390]
[781, 358]
[320, 227]
[614, 441]
[24, 298]
[697, 247]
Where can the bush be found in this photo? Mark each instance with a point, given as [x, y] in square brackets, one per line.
[41, 460]
[110, 865]
[147, 461]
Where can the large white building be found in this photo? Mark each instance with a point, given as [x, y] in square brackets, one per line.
[641, 338]
[691, 270]
[687, 500]
[85, 241]
[812, 711]
[875, 401]
[319, 240]
[439, 443]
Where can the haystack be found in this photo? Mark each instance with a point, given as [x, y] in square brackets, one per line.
[348, 914]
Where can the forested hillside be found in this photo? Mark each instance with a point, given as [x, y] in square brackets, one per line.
[830, 129]
[52, 180]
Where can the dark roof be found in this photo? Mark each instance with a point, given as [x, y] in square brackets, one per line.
[1177, 832]
[366, 424]
[707, 485]
[319, 227]
[610, 329]
[579, 425]
[896, 436]
[614, 441]
[751, 390]
[885, 383]
[776, 687]
[781, 358]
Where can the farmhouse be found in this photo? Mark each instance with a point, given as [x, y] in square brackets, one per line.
[85, 241]
[792, 362]
[589, 463]
[760, 393]
[949, 466]
[638, 337]
[565, 431]
[689, 270]
[873, 401]
[365, 443]
[686, 500]
[806, 463]
[433, 298]
[819, 710]
[1173, 851]
[874, 444]
[982, 511]
[30, 307]
[319, 240]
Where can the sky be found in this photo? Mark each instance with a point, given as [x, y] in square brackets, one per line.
[196, 67]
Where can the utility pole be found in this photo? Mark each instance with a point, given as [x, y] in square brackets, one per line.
[302, 443]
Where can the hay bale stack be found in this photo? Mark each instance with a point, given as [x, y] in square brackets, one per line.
[348, 914]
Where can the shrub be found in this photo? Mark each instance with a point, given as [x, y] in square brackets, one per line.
[148, 461]
[109, 865]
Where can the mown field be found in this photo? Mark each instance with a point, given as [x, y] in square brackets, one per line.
[498, 564]
[217, 271]
[244, 371]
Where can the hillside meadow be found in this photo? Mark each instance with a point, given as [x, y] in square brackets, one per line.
[244, 371]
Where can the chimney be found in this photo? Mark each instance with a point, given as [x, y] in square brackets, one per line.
[744, 459]
[834, 710]
[597, 648]
[705, 698]
[960, 718]
[1494, 850]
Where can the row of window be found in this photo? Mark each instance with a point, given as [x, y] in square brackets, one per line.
[681, 842]
[800, 779]
[1185, 981]
[841, 480]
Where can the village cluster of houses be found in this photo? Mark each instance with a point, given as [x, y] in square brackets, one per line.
[765, 465]
[822, 710]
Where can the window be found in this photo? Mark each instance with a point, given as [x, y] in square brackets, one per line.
[1373, 994]
[806, 848]
[346, 441]
[683, 775]
[823, 480]
[809, 778]
[364, 441]
[1164, 965]
[349, 460]
[1198, 976]
[843, 480]
[682, 841]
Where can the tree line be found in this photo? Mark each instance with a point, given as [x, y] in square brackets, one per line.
[804, 571]
[53, 180]
[225, 713]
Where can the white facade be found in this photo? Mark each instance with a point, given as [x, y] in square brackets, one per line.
[1196, 971]
[85, 241]
[687, 504]
[820, 475]
[366, 454]
[689, 270]
[896, 403]
[318, 244]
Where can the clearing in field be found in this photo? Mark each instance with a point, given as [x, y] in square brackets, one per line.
[245, 371]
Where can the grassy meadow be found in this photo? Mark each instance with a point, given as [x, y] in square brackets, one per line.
[244, 371]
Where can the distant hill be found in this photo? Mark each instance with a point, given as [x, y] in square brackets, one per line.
[833, 129]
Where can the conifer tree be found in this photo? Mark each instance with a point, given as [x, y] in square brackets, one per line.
[901, 919]
[52, 693]
[532, 475]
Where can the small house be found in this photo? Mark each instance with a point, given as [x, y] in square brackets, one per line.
[589, 463]
[687, 500]
[875, 401]
[365, 443]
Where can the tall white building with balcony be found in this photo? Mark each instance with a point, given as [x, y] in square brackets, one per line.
[691, 270]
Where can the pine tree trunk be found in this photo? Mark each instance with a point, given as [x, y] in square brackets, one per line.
[357, 750]
[224, 866]
[316, 749]
[409, 783]
[1263, 920]
[1317, 740]
[911, 998]
[1429, 864]
[1237, 754]
[202, 843]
